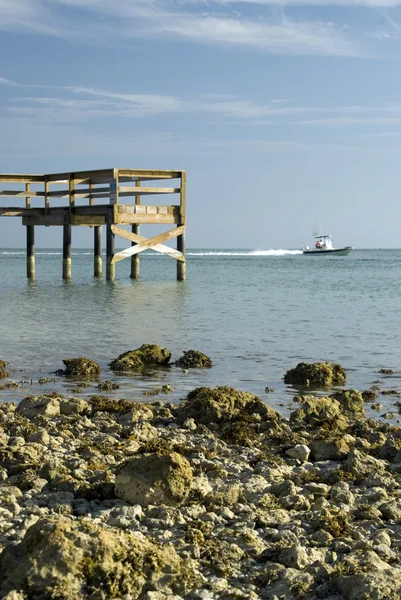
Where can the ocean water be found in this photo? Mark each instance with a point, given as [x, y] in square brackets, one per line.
[255, 313]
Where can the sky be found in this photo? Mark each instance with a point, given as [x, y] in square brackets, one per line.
[285, 114]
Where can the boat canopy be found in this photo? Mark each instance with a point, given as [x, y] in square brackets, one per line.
[322, 236]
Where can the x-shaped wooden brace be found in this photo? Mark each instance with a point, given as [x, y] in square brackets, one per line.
[143, 243]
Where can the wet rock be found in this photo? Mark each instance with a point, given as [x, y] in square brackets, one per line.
[62, 558]
[34, 406]
[193, 359]
[3, 370]
[107, 386]
[146, 355]
[154, 479]
[369, 395]
[81, 368]
[207, 405]
[316, 375]
[386, 371]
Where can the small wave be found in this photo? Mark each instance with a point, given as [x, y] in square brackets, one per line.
[271, 252]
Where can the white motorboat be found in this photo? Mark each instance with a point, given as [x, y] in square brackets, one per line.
[324, 246]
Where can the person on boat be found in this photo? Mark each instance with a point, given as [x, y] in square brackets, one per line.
[318, 245]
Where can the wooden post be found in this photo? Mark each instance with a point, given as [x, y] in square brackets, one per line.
[135, 258]
[30, 251]
[97, 230]
[110, 241]
[66, 251]
[135, 229]
[181, 266]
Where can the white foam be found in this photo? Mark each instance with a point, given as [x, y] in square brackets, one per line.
[271, 252]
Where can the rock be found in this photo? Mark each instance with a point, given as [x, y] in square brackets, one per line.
[351, 402]
[316, 375]
[361, 464]
[146, 355]
[329, 449]
[207, 405]
[81, 367]
[193, 359]
[107, 386]
[367, 576]
[63, 558]
[294, 557]
[3, 370]
[341, 493]
[73, 406]
[318, 412]
[300, 452]
[154, 479]
[34, 406]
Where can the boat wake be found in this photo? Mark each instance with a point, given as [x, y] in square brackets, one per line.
[281, 252]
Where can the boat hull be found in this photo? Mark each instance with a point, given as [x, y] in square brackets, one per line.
[329, 251]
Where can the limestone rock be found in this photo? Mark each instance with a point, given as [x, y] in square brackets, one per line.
[351, 402]
[361, 464]
[318, 411]
[70, 559]
[73, 406]
[146, 355]
[154, 479]
[329, 449]
[34, 406]
[193, 359]
[367, 576]
[300, 452]
[316, 375]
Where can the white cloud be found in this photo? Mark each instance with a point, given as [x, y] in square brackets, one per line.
[161, 18]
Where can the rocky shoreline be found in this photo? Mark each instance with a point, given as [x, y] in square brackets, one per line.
[216, 497]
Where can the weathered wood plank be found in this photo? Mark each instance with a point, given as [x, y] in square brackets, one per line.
[134, 237]
[145, 191]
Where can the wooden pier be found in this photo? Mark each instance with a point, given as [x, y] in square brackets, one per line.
[110, 197]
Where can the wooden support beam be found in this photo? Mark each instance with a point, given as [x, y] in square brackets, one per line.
[30, 252]
[143, 243]
[183, 197]
[182, 265]
[97, 251]
[28, 198]
[66, 251]
[71, 192]
[110, 243]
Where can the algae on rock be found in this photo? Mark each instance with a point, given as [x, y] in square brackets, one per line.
[193, 359]
[81, 367]
[207, 405]
[146, 355]
[3, 371]
[316, 375]
[154, 479]
[70, 559]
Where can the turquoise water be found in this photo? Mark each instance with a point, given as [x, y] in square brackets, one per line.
[256, 314]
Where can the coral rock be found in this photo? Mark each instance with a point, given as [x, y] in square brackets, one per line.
[146, 355]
